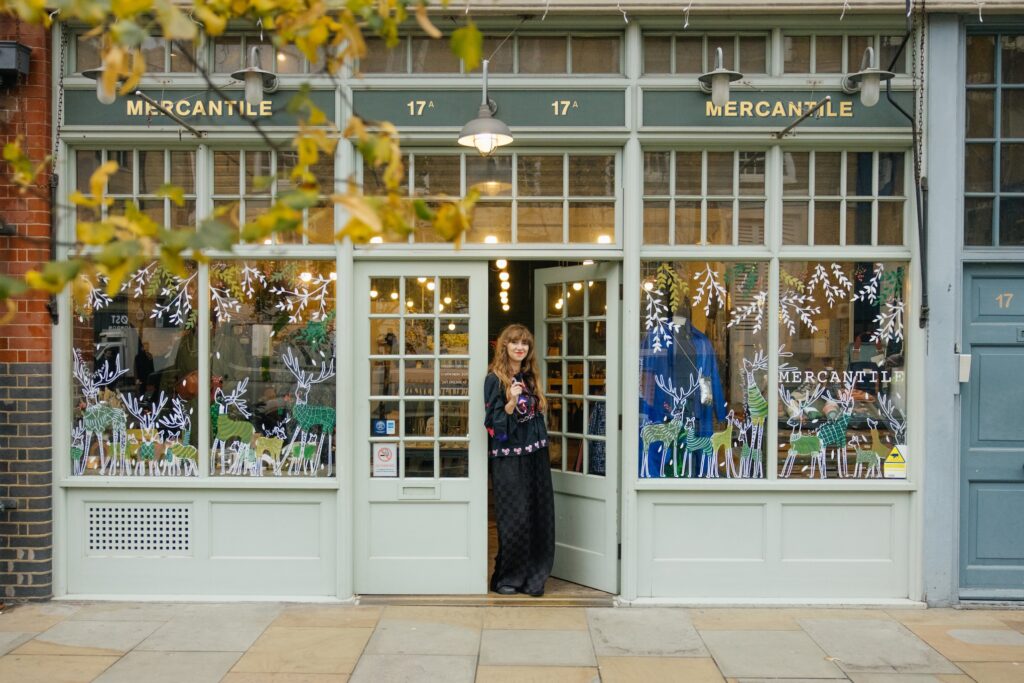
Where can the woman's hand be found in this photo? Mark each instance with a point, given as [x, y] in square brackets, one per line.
[514, 391]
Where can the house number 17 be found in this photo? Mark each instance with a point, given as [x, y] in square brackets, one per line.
[562, 107]
[417, 107]
[1004, 299]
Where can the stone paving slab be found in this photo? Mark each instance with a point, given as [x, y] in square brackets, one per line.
[769, 654]
[908, 678]
[36, 618]
[170, 667]
[994, 672]
[959, 644]
[234, 677]
[53, 669]
[659, 669]
[229, 631]
[644, 632]
[305, 651]
[420, 668]
[882, 646]
[89, 638]
[401, 637]
[542, 648]
[537, 674]
[12, 639]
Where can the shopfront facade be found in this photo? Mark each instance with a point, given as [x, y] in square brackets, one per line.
[727, 321]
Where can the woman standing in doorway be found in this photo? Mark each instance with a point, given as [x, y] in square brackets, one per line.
[519, 466]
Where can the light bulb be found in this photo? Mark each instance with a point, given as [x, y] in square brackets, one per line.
[253, 88]
[558, 305]
[503, 276]
[451, 327]
[490, 239]
[577, 286]
[394, 296]
[501, 263]
[306, 276]
[505, 285]
[485, 143]
[870, 89]
[447, 300]
[102, 94]
[409, 303]
[431, 285]
[268, 241]
[720, 89]
[334, 276]
[421, 280]
[377, 240]
[505, 307]
[374, 293]
[588, 262]
[440, 307]
[648, 286]
[604, 239]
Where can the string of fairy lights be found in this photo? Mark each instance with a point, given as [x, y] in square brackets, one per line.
[504, 283]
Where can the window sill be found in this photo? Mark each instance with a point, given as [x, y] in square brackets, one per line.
[777, 485]
[262, 483]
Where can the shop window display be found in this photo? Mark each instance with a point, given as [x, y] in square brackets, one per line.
[272, 368]
[134, 363]
[703, 370]
[842, 376]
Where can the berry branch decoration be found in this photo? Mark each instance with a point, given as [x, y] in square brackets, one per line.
[657, 321]
[710, 290]
[833, 282]
[754, 311]
[309, 298]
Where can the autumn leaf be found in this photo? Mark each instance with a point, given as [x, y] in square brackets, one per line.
[424, 21]
[361, 209]
[468, 44]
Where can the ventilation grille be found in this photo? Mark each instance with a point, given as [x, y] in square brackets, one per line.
[152, 529]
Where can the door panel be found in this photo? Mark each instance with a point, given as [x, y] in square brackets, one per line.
[421, 469]
[992, 453]
[578, 339]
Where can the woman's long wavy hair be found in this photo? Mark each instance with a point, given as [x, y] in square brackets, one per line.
[501, 366]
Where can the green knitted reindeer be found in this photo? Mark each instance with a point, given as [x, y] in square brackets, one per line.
[307, 416]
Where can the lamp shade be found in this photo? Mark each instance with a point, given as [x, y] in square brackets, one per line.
[717, 81]
[257, 80]
[868, 80]
[485, 132]
[103, 94]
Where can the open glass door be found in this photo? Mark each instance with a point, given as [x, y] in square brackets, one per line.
[420, 465]
[579, 350]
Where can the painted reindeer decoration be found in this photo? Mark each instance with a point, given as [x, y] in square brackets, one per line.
[78, 458]
[800, 443]
[757, 405]
[666, 433]
[98, 417]
[229, 428]
[178, 453]
[307, 416]
[833, 432]
[871, 456]
[722, 441]
[148, 421]
[702, 445]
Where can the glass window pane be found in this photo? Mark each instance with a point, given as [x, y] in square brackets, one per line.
[542, 55]
[596, 448]
[796, 166]
[151, 171]
[978, 221]
[182, 57]
[554, 346]
[454, 378]
[289, 60]
[86, 163]
[555, 453]
[592, 222]
[890, 174]
[383, 378]
[591, 176]
[183, 170]
[753, 54]
[858, 174]
[419, 294]
[87, 52]
[380, 59]
[596, 377]
[697, 399]
[688, 173]
[454, 337]
[595, 55]
[437, 175]
[501, 60]
[1012, 47]
[751, 223]
[419, 337]
[120, 182]
[858, 222]
[419, 418]
[227, 54]
[890, 223]
[826, 222]
[797, 54]
[687, 223]
[183, 216]
[1011, 221]
[154, 53]
[598, 338]
[842, 405]
[539, 222]
[433, 56]
[828, 54]
[454, 295]
[419, 459]
[657, 54]
[719, 222]
[540, 176]
[454, 459]
[154, 209]
[384, 295]
[751, 173]
[889, 46]
[574, 382]
[225, 172]
[981, 59]
[856, 45]
[257, 172]
[689, 55]
[555, 304]
[492, 175]
[981, 113]
[1011, 168]
[1012, 113]
[384, 336]
[978, 172]
[492, 223]
[794, 223]
[728, 46]
[827, 169]
[656, 173]
[720, 173]
[597, 298]
[573, 331]
[656, 222]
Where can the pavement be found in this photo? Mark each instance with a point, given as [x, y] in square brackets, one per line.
[142, 642]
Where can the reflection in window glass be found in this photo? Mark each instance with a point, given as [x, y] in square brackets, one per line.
[272, 368]
[703, 369]
[842, 376]
[134, 408]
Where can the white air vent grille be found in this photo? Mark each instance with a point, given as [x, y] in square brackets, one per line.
[153, 529]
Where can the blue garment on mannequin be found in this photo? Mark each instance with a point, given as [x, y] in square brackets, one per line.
[676, 363]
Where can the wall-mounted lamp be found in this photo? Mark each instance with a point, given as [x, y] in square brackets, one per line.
[104, 95]
[868, 80]
[257, 80]
[485, 132]
[717, 82]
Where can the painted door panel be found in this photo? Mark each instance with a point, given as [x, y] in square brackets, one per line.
[992, 435]
[579, 340]
[421, 512]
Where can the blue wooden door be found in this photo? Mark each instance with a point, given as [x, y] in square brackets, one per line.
[992, 434]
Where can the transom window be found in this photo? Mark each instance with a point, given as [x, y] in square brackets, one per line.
[521, 54]
[836, 54]
[839, 198]
[694, 53]
[161, 55]
[994, 151]
[704, 197]
[525, 198]
[231, 53]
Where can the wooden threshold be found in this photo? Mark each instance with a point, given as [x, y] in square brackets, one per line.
[490, 600]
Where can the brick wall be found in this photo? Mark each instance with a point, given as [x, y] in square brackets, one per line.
[26, 472]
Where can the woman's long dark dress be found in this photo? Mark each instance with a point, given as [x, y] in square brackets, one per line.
[524, 504]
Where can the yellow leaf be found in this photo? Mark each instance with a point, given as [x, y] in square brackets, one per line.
[213, 23]
[468, 44]
[424, 21]
[98, 179]
[360, 209]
